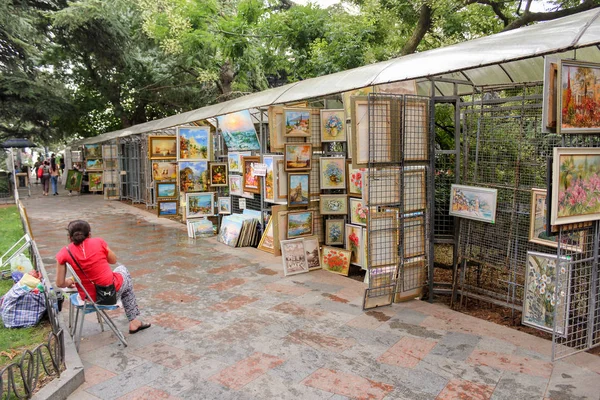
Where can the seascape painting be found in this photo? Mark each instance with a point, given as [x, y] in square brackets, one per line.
[193, 143]
[473, 202]
[166, 189]
[167, 208]
[224, 205]
[193, 176]
[199, 204]
[162, 147]
[238, 131]
[229, 232]
[579, 99]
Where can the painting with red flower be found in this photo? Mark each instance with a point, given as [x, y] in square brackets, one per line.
[577, 97]
[355, 180]
[336, 260]
[354, 243]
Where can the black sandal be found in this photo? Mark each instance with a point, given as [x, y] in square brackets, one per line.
[140, 328]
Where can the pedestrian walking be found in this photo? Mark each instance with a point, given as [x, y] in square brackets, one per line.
[45, 177]
[37, 164]
[54, 174]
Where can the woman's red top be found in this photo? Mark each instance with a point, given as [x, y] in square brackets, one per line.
[92, 256]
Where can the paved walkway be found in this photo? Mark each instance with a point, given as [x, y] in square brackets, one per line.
[228, 325]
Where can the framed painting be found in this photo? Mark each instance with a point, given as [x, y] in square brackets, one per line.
[270, 180]
[335, 231]
[336, 260]
[164, 170]
[312, 251]
[238, 131]
[92, 150]
[218, 174]
[267, 242]
[473, 202]
[110, 163]
[276, 128]
[416, 131]
[193, 143]
[413, 236]
[575, 177]
[299, 224]
[381, 187]
[229, 232]
[168, 208]
[573, 241]
[348, 96]
[193, 176]
[383, 243]
[281, 174]
[577, 99]
[354, 243]
[165, 190]
[96, 183]
[111, 193]
[333, 204]
[381, 133]
[546, 292]
[298, 156]
[234, 161]
[333, 126]
[74, 179]
[76, 156]
[279, 213]
[162, 147]
[251, 181]
[298, 189]
[293, 257]
[199, 205]
[297, 122]
[414, 190]
[109, 151]
[358, 212]
[111, 177]
[94, 164]
[224, 205]
[235, 185]
[355, 180]
[550, 94]
[333, 173]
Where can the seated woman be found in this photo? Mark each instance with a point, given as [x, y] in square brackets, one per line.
[94, 257]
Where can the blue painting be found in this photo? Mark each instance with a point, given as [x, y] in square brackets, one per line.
[166, 189]
[238, 131]
[167, 208]
[193, 143]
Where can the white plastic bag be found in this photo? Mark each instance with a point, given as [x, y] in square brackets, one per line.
[21, 264]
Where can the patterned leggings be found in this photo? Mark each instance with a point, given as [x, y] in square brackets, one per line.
[126, 294]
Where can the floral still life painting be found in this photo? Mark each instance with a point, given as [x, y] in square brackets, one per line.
[333, 204]
[333, 126]
[334, 231]
[354, 243]
[96, 183]
[335, 260]
[355, 180]
[218, 174]
[333, 172]
[193, 143]
[546, 292]
[358, 212]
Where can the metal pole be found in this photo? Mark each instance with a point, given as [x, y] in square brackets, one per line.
[14, 175]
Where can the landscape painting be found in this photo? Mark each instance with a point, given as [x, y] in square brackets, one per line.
[299, 224]
[162, 147]
[299, 189]
[333, 126]
[298, 156]
[167, 208]
[94, 165]
[297, 122]
[473, 202]
[578, 100]
[335, 260]
[235, 185]
[193, 143]
[230, 230]
[199, 205]
[238, 131]
[269, 181]
[92, 150]
[267, 242]
[224, 205]
[164, 170]
[166, 190]
[575, 185]
[193, 176]
[313, 255]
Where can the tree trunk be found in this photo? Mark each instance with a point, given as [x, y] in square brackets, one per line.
[421, 29]
[226, 78]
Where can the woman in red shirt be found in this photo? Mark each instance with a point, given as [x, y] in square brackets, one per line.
[94, 257]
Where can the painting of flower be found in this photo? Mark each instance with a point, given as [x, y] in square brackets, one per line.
[218, 174]
[95, 179]
[578, 102]
[193, 143]
[358, 212]
[575, 185]
[546, 292]
[333, 204]
[355, 180]
[333, 126]
[335, 260]
[334, 231]
[333, 172]
[354, 243]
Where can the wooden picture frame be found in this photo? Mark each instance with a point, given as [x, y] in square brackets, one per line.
[355, 179]
[358, 212]
[224, 205]
[270, 181]
[92, 150]
[416, 129]
[74, 180]
[298, 189]
[333, 173]
[193, 176]
[575, 95]
[415, 198]
[218, 173]
[354, 243]
[165, 190]
[333, 125]
[276, 128]
[472, 202]
[297, 122]
[293, 257]
[164, 170]
[383, 243]
[96, 182]
[94, 164]
[299, 224]
[167, 208]
[162, 147]
[281, 173]
[267, 241]
[333, 204]
[312, 249]
[381, 187]
[336, 260]
[298, 157]
[573, 173]
[251, 182]
[199, 205]
[193, 143]
[361, 154]
[335, 231]
[235, 185]
[413, 235]
[550, 94]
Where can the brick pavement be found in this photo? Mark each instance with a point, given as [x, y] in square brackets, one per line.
[228, 325]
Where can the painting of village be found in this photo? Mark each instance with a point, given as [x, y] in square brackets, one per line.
[298, 156]
[579, 97]
[473, 203]
[297, 122]
[193, 143]
[199, 205]
[238, 131]
[193, 176]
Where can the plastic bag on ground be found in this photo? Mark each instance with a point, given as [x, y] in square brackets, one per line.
[21, 307]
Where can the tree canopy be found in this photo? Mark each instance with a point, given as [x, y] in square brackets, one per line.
[84, 67]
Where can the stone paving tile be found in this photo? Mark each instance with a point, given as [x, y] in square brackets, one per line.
[449, 369]
[136, 273]
[154, 334]
[181, 279]
[226, 269]
[572, 382]
[94, 375]
[410, 329]
[333, 306]
[408, 352]
[188, 379]
[495, 346]
[462, 389]
[516, 386]
[147, 393]
[81, 394]
[457, 346]
[272, 387]
[298, 311]
[293, 290]
[241, 330]
[511, 362]
[233, 303]
[128, 381]
[349, 385]
[165, 355]
[92, 342]
[367, 336]
[228, 284]
[175, 296]
[246, 370]
[112, 358]
[173, 321]
[321, 342]
[214, 390]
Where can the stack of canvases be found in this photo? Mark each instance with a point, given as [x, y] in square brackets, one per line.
[240, 230]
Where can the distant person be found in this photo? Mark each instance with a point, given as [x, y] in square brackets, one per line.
[45, 177]
[54, 174]
[62, 165]
[37, 164]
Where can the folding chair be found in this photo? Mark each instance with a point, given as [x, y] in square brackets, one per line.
[88, 306]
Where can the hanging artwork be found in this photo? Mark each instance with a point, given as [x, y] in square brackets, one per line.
[577, 97]
[270, 180]
[299, 224]
[110, 163]
[335, 260]
[293, 257]
[299, 189]
[267, 242]
[354, 243]
[550, 95]
[165, 190]
[74, 179]
[251, 181]
[298, 156]
[94, 164]
[162, 147]
[334, 231]
[546, 292]
[333, 204]
[168, 208]
[238, 131]
[235, 185]
[95, 181]
[575, 184]
[358, 212]
[276, 128]
[109, 151]
[193, 176]
[333, 173]
[224, 205]
[473, 202]
[218, 174]
[193, 143]
[92, 150]
[333, 126]
[281, 175]
[355, 180]
[199, 205]
[297, 122]
[164, 170]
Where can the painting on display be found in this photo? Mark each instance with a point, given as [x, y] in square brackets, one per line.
[168, 208]
[299, 224]
[550, 94]
[193, 143]
[92, 150]
[276, 128]
[546, 292]
[238, 131]
[251, 181]
[333, 204]
[334, 231]
[164, 170]
[224, 205]
[473, 202]
[575, 184]
[193, 176]
[281, 175]
[95, 181]
[162, 147]
[76, 156]
[110, 163]
[218, 174]
[199, 205]
[298, 189]
[109, 151]
[267, 241]
[333, 173]
[165, 190]
[312, 251]
[293, 257]
[298, 156]
[573, 241]
[577, 97]
[354, 243]
[358, 212]
[94, 165]
[74, 179]
[270, 180]
[336, 260]
[333, 126]
[297, 122]
[355, 180]
[230, 230]
[235, 185]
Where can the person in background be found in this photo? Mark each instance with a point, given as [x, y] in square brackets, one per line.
[37, 164]
[45, 177]
[54, 174]
[62, 164]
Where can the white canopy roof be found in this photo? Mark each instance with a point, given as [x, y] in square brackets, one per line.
[513, 56]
